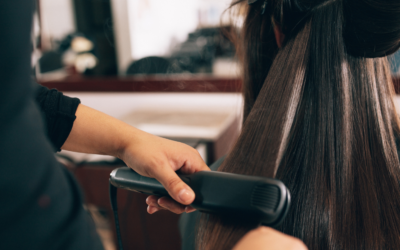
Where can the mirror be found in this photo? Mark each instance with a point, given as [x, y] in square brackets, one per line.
[134, 37]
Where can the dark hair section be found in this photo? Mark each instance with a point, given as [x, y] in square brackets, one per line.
[372, 28]
[320, 118]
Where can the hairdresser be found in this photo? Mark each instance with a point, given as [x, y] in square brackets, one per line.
[41, 205]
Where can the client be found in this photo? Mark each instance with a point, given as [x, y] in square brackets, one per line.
[319, 116]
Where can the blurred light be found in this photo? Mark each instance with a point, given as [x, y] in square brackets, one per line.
[85, 61]
[81, 44]
[155, 24]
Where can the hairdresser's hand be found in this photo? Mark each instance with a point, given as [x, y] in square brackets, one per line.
[265, 238]
[159, 158]
[171, 156]
[97, 133]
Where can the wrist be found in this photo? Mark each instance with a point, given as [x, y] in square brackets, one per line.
[128, 138]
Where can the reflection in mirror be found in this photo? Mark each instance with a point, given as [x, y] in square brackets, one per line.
[133, 37]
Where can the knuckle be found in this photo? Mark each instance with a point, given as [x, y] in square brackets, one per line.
[195, 151]
[173, 182]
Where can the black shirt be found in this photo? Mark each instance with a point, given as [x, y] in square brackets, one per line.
[58, 112]
[41, 205]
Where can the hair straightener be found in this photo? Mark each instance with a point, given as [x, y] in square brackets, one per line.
[255, 198]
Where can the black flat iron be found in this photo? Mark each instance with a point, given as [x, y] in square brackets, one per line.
[263, 199]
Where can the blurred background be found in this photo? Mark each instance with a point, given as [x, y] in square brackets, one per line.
[164, 66]
[133, 37]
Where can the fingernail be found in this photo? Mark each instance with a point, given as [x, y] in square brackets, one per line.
[151, 210]
[186, 196]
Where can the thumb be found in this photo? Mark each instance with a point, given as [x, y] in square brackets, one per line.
[178, 190]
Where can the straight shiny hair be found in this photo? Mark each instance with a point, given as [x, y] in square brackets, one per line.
[319, 115]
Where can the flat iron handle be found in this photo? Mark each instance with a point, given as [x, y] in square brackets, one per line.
[260, 198]
[126, 178]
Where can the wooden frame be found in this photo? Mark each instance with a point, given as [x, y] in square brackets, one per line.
[198, 84]
[147, 84]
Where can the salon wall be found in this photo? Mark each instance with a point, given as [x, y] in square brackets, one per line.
[152, 27]
[119, 105]
[141, 27]
[57, 19]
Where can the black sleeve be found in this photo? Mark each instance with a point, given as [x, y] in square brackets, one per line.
[59, 114]
[41, 205]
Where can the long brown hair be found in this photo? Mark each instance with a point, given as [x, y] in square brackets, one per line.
[319, 116]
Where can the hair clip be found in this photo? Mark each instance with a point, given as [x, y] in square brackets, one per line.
[264, 6]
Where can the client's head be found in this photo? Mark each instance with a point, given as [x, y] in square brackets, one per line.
[319, 116]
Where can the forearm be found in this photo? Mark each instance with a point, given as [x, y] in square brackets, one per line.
[97, 133]
[149, 155]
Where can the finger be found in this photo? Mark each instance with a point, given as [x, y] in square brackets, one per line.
[152, 210]
[152, 200]
[194, 164]
[178, 190]
[171, 205]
